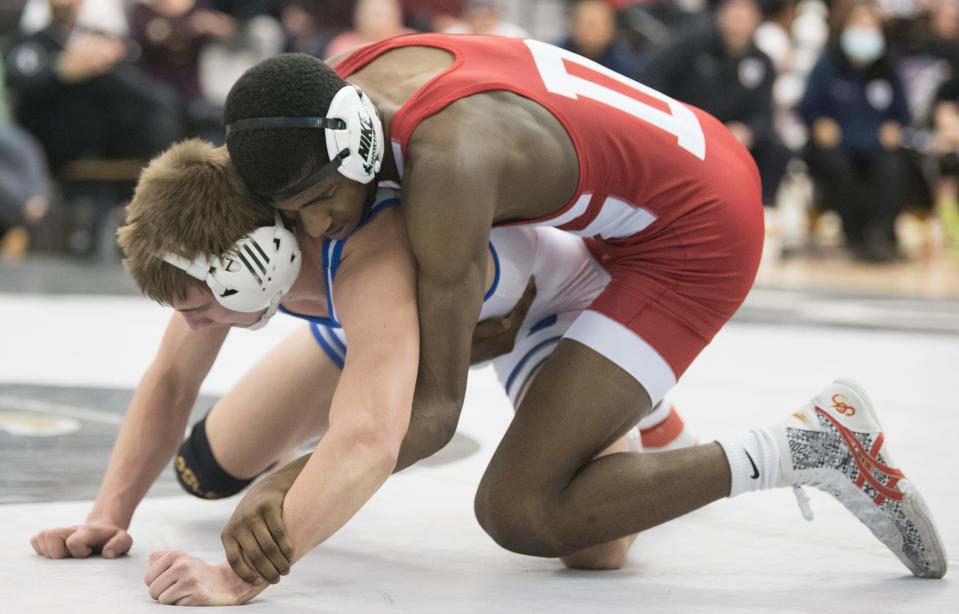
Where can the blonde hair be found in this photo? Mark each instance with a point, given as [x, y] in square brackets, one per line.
[189, 201]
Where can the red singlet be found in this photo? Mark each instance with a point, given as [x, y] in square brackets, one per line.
[667, 198]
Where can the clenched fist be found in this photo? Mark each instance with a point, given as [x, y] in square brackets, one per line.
[106, 539]
[176, 578]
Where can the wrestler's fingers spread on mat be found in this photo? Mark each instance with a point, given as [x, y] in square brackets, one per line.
[255, 555]
[234, 556]
[274, 520]
[270, 548]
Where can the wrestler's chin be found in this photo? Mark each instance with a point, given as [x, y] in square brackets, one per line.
[342, 232]
[248, 321]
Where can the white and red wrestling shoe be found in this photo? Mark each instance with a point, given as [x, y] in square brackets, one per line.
[836, 444]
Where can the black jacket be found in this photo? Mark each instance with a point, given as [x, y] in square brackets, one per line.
[32, 66]
[696, 69]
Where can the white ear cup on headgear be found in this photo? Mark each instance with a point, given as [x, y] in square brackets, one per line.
[254, 274]
[363, 136]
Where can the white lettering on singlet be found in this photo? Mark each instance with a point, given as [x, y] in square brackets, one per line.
[618, 218]
[681, 122]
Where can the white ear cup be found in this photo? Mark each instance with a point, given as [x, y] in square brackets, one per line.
[363, 136]
[254, 274]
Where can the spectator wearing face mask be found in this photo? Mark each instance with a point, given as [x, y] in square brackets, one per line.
[855, 108]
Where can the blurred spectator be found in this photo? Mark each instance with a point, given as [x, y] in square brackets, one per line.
[103, 16]
[856, 108]
[653, 24]
[23, 184]
[244, 10]
[311, 24]
[774, 35]
[938, 34]
[945, 145]
[777, 37]
[593, 35]
[302, 22]
[258, 34]
[373, 20]
[928, 52]
[171, 34]
[435, 15]
[719, 69]
[485, 17]
[81, 98]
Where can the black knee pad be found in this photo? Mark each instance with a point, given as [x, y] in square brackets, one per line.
[198, 471]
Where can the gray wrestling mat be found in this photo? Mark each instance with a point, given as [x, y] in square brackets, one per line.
[416, 548]
[59, 440]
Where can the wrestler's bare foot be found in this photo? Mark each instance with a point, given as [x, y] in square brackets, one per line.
[176, 578]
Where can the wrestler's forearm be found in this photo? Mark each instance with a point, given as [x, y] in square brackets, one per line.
[336, 481]
[151, 432]
[431, 427]
[448, 315]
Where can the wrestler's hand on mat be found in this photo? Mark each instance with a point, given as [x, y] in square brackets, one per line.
[494, 337]
[104, 538]
[255, 539]
[176, 578]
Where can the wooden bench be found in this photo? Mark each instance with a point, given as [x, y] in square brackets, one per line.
[101, 171]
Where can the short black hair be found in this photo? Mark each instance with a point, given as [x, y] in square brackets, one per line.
[288, 85]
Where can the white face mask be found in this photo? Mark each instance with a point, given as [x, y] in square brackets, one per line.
[862, 45]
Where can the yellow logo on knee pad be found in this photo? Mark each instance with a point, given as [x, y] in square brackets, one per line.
[189, 478]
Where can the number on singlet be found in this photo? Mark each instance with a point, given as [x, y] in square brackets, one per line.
[680, 121]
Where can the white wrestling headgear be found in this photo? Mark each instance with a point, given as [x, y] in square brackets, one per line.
[254, 274]
[362, 138]
[354, 138]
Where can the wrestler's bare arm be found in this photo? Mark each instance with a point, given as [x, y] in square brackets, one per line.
[375, 298]
[369, 415]
[148, 439]
[449, 192]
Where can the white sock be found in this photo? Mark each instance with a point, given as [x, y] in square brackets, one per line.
[753, 461]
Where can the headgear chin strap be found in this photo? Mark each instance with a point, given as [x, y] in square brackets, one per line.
[354, 138]
[253, 275]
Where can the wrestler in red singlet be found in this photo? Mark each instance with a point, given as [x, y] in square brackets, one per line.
[669, 200]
